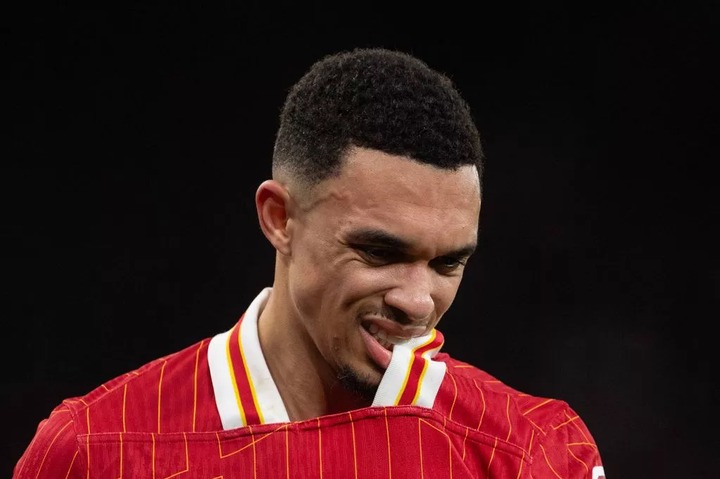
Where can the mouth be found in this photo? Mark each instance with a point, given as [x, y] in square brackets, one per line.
[386, 340]
[380, 336]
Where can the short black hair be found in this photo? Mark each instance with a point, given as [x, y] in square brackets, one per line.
[374, 98]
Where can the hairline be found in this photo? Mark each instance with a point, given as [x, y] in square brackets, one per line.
[303, 188]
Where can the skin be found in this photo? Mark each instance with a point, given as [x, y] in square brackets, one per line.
[384, 243]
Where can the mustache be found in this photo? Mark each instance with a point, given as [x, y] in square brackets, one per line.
[386, 312]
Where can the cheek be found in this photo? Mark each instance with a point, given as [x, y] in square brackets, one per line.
[364, 281]
[319, 281]
[446, 291]
[305, 283]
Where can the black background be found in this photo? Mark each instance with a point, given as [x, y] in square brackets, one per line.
[138, 134]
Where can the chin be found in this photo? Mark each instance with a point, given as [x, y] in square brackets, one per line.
[363, 385]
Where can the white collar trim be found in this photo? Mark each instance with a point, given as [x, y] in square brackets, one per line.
[235, 402]
[245, 392]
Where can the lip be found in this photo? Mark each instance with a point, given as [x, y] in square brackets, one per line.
[394, 332]
[379, 354]
[392, 328]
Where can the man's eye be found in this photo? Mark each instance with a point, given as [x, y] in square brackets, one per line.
[448, 264]
[376, 254]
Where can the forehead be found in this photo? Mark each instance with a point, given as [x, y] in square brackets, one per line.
[400, 195]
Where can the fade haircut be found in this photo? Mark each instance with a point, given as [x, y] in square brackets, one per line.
[373, 98]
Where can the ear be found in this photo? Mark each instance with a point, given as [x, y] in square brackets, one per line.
[272, 202]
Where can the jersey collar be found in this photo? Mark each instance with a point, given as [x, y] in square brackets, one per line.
[245, 393]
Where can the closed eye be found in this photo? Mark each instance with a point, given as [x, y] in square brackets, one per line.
[379, 248]
[448, 264]
[378, 254]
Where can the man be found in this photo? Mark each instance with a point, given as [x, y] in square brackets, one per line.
[336, 370]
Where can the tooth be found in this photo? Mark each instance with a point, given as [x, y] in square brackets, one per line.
[381, 335]
[397, 340]
[373, 328]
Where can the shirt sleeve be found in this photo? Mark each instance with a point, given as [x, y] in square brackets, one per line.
[53, 451]
[566, 449]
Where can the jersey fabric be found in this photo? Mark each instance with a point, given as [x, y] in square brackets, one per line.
[213, 411]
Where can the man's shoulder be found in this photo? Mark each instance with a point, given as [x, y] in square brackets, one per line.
[478, 397]
[170, 394]
[547, 430]
[137, 395]
[459, 368]
[53, 447]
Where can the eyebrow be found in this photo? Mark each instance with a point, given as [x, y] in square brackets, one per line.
[383, 238]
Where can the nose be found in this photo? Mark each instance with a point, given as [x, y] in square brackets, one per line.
[412, 293]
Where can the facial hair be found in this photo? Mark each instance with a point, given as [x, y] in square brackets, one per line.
[352, 382]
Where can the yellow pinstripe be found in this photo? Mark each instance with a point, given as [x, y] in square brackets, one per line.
[352, 426]
[532, 439]
[547, 461]
[536, 426]
[152, 435]
[420, 381]
[63, 409]
[40, 428]
[587, 469]
[162, 372]
[71, 464]
[566, 422]
[422, 469]
[50, 446]
[123, 407]
[254, 449]
[223, 455]
[482, 396]
[525, 413]
[452, 406]
[580, 430]
[464, 440]
[409, 368]
[492, 456]
[448, 440]
[87, 440]
[234, 382]
[195, 378]
[253, 395]
[522, 462]
[387, 435]
[287, 452]
[507, 414]
[589, 444]
[320, 448]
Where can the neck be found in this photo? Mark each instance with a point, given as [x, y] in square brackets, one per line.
[309, 387]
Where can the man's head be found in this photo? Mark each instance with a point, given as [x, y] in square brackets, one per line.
[372, 98]
[373, 210]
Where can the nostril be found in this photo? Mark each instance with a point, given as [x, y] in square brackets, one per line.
[397, 315]
[408, 312]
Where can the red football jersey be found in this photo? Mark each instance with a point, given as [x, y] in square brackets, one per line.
[213, 411]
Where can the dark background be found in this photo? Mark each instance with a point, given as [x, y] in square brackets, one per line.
[139, 133]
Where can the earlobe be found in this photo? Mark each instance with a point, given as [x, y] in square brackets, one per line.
[272, 202]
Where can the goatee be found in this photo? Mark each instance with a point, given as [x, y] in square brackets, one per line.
[357, 385]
